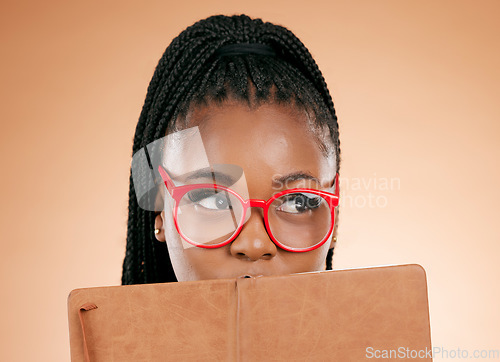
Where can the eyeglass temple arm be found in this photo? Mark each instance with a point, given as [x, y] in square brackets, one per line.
[337, 189]
[166, 178]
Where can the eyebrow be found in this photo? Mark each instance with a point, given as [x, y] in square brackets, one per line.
[294, 176]
[214, 176]
[217, 176]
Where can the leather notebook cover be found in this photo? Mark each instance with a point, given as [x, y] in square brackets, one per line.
[344, 315]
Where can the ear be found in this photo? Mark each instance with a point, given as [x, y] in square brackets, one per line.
[159, 225]
[335, 227]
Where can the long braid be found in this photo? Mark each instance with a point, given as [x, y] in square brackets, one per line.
[190, 73]
[329, 259]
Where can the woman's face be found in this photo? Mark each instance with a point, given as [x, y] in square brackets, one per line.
[268, 142]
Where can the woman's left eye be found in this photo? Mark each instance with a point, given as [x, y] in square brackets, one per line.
[299, 203]
[216, 202]
[209, 199]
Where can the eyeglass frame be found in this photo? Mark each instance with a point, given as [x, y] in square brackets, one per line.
[177, 192]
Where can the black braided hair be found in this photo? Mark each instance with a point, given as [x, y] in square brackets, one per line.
[190, 73]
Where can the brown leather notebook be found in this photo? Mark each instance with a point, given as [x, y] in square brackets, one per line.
[345, 315]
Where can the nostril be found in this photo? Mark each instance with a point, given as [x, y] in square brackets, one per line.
[247, 276]
[245, 256]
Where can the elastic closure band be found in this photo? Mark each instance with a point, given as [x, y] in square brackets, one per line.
[83, 308]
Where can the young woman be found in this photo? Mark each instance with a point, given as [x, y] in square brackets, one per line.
[234, 97]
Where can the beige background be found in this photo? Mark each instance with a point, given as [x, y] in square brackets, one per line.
[415, 84]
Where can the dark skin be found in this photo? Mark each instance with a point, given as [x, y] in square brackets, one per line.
[268, 142]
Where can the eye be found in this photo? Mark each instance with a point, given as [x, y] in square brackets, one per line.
[210, 199]
[299, 203]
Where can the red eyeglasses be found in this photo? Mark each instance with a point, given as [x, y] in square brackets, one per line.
[210, 216]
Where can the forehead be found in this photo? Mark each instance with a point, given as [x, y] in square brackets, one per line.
[268, 141]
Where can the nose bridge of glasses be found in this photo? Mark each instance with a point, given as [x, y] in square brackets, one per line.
[256, 203]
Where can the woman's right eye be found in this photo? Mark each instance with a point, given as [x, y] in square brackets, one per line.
[298, 203]
[210, 199]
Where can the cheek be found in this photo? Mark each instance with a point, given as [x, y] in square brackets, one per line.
[176, 248]
[190, 262]
[209, 263]
[312, 260]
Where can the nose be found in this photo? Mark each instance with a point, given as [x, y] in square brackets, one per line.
[253, 242]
